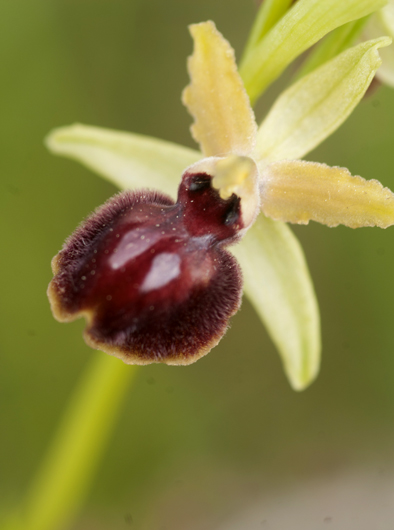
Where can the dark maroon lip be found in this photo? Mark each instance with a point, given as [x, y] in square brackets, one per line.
[152, 277]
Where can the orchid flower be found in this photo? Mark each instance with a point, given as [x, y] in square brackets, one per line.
[253, 176]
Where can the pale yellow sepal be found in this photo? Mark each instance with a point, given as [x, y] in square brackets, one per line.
[298, 192]
[382, 23]
[302, 26]
[125, 159]
[223, 119]
[278, 284]
[313, 107]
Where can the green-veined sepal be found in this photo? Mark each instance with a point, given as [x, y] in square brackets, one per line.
[125, 159]
[316, 105]
[278, 284]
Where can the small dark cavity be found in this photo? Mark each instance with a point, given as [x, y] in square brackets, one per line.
[200, 182]
[232, 214]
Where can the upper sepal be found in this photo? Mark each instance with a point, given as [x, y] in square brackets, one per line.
[216, 98]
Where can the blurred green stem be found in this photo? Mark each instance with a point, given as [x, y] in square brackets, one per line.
[65, 476]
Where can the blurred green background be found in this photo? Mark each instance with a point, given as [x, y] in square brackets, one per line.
[224, 443]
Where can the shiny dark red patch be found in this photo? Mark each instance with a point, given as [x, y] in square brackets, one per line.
[152, 277]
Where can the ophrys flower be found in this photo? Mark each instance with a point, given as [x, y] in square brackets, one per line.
[243, 168]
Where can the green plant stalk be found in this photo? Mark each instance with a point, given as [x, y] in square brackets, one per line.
[67, 471]
[269, 13]
[335, 43]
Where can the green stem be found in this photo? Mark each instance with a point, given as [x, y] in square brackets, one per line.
[64, 478]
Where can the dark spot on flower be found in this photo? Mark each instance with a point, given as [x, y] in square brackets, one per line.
[233, 212]
[200, 182]
[205, 212]
[152, 277]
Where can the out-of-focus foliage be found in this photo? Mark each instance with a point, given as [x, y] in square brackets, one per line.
[195, 445]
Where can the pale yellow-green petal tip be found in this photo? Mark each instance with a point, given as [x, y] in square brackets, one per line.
[68, 140]
[301, 378]
[76, 133]
[56, 136]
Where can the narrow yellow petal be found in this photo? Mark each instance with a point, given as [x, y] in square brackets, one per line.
[223, 119]
[298, 192]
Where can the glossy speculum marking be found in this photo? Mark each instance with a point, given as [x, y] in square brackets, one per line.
[152, 277]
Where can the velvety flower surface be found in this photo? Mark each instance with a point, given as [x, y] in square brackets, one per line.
[151, 277]
[244, 183]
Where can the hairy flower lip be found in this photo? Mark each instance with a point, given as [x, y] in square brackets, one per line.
[118, 272]
[137, 357]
